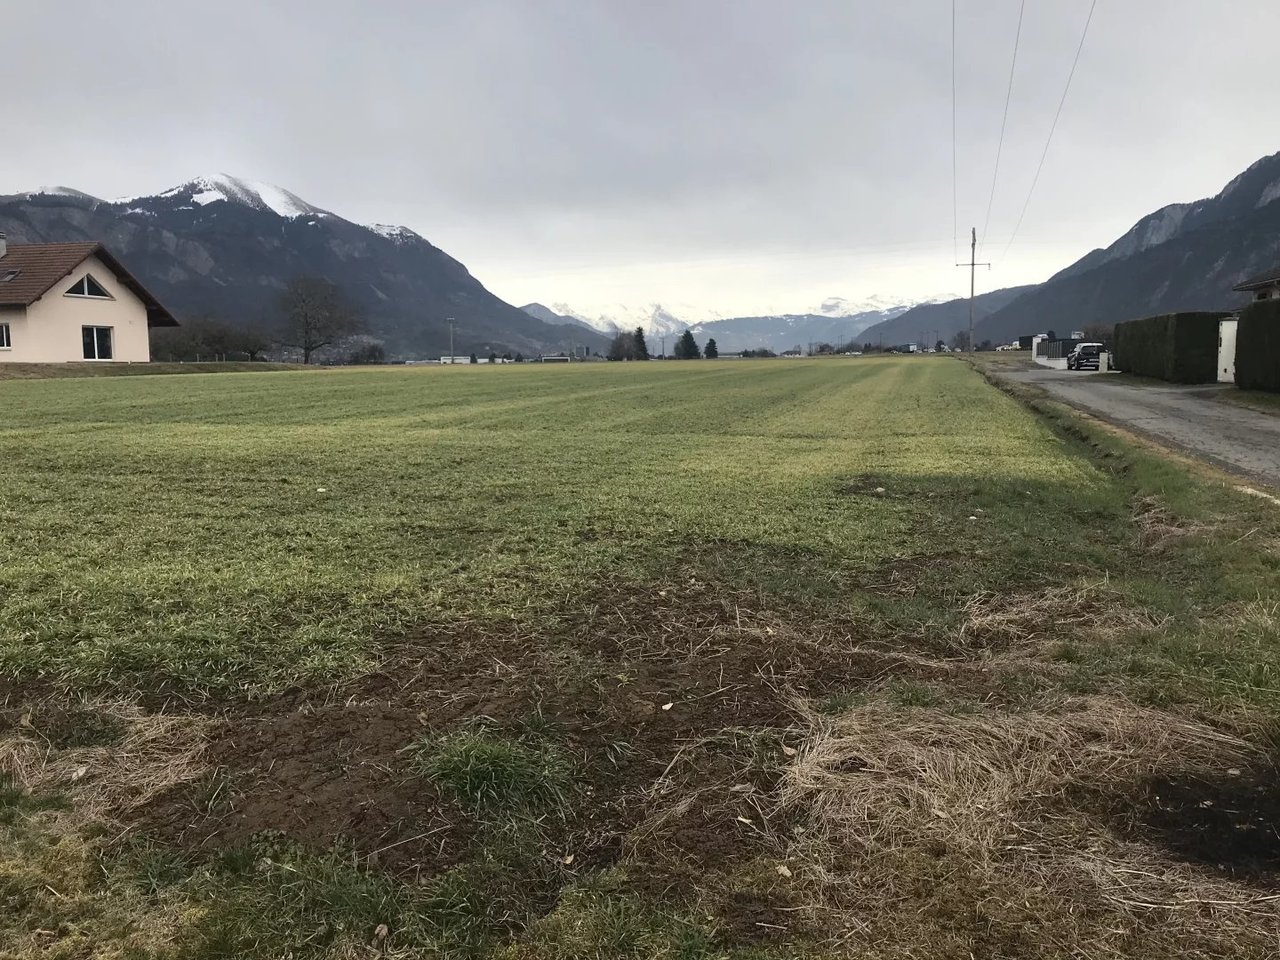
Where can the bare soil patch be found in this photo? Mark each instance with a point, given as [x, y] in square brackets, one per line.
[1229, 822]
[648, 690]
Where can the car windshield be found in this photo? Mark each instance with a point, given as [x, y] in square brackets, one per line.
[1089, 349]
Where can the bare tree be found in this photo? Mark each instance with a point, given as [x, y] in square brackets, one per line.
[315, 315]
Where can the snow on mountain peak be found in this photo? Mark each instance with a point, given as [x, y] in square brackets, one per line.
[392, 232]
[221, 187]
[656, 319]
[840, 307]
[62, 192]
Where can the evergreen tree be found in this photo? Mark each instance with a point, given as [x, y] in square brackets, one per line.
[687, 347]
[641, 348]
[711, 351]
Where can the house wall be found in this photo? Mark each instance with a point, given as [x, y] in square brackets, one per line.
[49, 330]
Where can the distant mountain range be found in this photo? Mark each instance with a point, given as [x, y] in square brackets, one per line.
[928, 322]
[223, 248]
[836, 321]
[1186, 256]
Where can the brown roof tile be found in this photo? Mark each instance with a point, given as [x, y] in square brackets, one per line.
[40, 266]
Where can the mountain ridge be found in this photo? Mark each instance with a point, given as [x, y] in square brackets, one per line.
[1183, 256]
[774, 331]
[224, 248]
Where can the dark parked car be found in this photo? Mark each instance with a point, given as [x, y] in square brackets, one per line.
[1086, 356]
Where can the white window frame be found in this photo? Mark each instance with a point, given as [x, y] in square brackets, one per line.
[6, 335]
[111, 333]
[89, 296]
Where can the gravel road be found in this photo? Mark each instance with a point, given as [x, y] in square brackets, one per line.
[1187, 418]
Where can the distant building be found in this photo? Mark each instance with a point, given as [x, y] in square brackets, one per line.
[65, 302]
[1265, 286]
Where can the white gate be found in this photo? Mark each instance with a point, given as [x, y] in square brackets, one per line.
[1227, 351]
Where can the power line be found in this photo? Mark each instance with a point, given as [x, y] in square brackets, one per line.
[1052, 128]
[955, 192]
[1004, 122]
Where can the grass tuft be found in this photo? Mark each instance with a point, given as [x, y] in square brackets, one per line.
[493, 775]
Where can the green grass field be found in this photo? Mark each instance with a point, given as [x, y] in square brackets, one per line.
[58, 371]
[729, 659]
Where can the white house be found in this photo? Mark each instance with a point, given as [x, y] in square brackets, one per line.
[1265, 286]
[64, 302]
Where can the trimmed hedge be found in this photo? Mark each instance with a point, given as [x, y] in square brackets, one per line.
[1178, 347]
[1258, 347]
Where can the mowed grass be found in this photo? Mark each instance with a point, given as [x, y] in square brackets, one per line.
[250, 532]
[751, 660]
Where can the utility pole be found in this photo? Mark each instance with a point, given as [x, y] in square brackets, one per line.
[663, 338]
[450, 319]
[973, 266]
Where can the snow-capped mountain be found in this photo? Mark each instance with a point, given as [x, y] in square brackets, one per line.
[659, 319]
[223, 248]
[836, 321]
[205, 190]
[780, 332]
[656, 319]
[840, 307]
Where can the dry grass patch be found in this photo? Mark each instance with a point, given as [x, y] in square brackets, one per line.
[932, 833]
[1010, 620]
[112, 756]
[1158, 528]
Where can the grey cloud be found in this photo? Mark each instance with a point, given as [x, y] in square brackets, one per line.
[566, 139]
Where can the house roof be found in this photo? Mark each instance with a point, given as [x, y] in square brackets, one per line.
[1269, 279]
[41, 266]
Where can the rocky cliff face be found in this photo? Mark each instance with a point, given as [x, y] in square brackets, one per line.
[1182, 257]
[223, 248]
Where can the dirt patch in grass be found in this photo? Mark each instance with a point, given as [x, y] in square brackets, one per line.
[324, 775]
[674, 703]
[750, 916]
[1227, 822]
[670, 704]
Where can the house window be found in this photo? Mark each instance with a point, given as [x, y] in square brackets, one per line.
[5, 341]
[8, 276]
[86, 286]
[97, 343]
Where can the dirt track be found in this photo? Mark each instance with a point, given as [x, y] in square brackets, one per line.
[1188, 418]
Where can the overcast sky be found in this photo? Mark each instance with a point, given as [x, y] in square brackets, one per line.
[714, 156]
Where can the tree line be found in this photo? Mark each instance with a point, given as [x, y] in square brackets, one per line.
[312, 315]
[632, 346]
